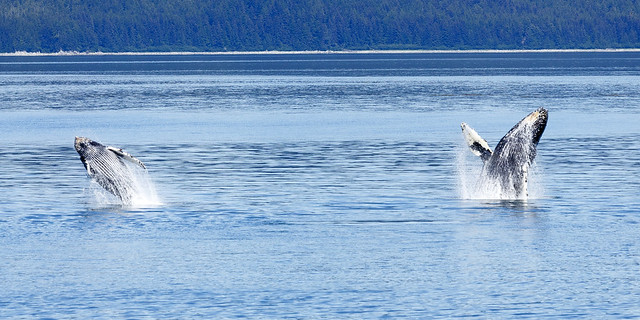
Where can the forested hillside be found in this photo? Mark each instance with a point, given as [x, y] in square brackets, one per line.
[248, 25]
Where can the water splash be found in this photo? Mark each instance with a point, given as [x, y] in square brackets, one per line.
[135, 185]
[475, 183]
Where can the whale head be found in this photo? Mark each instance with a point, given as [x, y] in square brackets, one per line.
[86, 147]
[525, 135]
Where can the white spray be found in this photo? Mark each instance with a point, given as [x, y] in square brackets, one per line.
[473, 182]
[138, 191]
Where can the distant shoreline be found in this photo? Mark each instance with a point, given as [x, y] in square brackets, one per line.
[187, 53]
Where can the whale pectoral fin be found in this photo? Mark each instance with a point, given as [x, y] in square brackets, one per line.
[126, 156]
[477, 144]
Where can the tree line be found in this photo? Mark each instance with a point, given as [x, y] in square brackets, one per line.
[257, 25]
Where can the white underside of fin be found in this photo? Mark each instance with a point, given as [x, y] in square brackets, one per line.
[472, 138]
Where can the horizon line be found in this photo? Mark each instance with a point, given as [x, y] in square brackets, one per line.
[280, 52]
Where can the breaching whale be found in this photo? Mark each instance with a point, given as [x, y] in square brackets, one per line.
[506, 168]
[106, 165]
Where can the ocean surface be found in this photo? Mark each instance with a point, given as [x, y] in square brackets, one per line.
[319, 186]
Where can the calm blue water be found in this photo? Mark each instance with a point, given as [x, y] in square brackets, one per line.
[319, 186]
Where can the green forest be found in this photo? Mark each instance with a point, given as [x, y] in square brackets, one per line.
[257, 25]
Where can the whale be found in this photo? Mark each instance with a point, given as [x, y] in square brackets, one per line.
[109, 167]
[506, 168]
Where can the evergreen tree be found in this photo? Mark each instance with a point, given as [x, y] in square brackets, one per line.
[243, 25]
